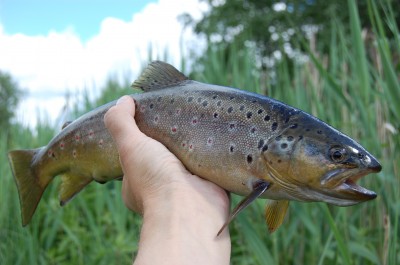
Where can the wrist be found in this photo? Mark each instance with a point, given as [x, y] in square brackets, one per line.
[182, 222]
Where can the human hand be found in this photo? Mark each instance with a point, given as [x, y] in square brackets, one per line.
[182, 212]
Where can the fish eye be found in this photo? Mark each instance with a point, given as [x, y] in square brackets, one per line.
[337, 154]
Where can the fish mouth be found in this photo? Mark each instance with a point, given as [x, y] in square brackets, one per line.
[341, 185]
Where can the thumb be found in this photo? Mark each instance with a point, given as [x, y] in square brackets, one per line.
[120, 122]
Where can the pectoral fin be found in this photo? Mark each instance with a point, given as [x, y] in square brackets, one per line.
[70, 185]
[258, 189]
[275, 212]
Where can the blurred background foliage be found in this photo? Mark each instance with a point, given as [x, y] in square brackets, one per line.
[338, 60]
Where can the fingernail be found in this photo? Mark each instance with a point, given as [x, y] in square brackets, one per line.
[122, 99]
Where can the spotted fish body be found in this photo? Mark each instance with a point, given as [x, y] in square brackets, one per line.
[219, 133]
[248, 144]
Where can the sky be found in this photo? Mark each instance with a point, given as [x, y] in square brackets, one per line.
[52, 48]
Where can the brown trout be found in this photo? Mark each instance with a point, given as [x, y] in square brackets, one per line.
[246, 143]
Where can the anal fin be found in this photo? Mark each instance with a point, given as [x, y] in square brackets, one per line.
[275, 212]
[70, 185]
[259, 188]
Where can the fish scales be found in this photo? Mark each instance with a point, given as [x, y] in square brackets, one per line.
[216, 133]
[246, 143]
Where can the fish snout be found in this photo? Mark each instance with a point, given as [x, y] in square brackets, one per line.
[371, 163]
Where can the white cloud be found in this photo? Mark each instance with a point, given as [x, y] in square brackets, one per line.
[58, 61]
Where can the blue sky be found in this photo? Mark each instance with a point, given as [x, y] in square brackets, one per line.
[38, 17]
[52, 48]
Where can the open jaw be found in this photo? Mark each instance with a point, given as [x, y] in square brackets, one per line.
[340, 185]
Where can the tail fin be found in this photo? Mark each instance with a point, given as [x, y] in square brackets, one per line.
[30, 188]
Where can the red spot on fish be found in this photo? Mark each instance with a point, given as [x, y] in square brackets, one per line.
[142, 108]
[50, 153]
[194, 121]
[77, 137]
[210, 141]
[191, 147]
[174, 129]
[101, 142]
[178, 111]
[62, 145]
[183, 144]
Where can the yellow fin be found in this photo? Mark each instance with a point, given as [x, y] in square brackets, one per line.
[275, 212]
[70, 185]
[30, 185]
[159, 75]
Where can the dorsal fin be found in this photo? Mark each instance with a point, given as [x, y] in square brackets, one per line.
[159, 75]
[66, 124]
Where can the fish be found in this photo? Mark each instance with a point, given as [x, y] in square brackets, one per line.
[246, 143]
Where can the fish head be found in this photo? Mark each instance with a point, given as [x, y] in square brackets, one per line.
[311, 161]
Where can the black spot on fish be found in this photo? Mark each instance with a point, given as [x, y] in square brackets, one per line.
[202, 115]
[215, 96]
[215, 115]
[241, 107]
[279, 161]
[284, 145]
[230, 109]
[267, 118]
[159, 99]
[278, 138]
[253, 130]
[319, 132]
[199, 100]
[274, 126]
[190, 99]
[249, 159]
[260, 144]
[308, 129]
[254, 101]
[300, 137]
[265, 148]
[249, 114]
[290, 138]
[231, 97]
[172, 101]
[232, 126]
[151, 105]
[293, 126]
[260, 111]
[205, 103]
[219, 103]
[231, 149]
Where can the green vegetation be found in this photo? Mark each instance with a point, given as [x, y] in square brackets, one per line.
[354, 86]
